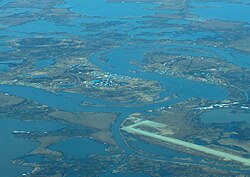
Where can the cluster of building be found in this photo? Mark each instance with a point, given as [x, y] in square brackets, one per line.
[107, 80]
[221, 105]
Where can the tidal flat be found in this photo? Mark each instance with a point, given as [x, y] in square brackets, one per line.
[88, 87]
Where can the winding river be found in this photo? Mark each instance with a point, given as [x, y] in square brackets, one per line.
[71, 102]
[119, 62]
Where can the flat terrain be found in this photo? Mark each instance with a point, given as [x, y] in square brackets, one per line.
[225, 156]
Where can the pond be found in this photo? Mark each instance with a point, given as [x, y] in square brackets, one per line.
[224, 116]
[80, 148]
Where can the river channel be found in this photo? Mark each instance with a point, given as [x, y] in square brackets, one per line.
[71, 102]
[119, 61]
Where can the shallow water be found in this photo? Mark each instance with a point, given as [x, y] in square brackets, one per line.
[80, 148]
[44, 63]
[119, 62]
[157, 150]
[43, 26]
[103, 9]
[9, 143]
[126, 175]
[3, 67]
[224, 116]
[222, 11]
[17, 11]
[4, 2]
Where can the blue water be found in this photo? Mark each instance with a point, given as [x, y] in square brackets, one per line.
[119, 62]
[8, 148]
[41, 96]
[103, 9]
[10, 34]
[239, 58]
[3, 67]
[43, 26]
[127, 175]
[5, 64]
[34, 158]
[224, 116]
[97, 11]
[80, 148]
[194, 36]
[157, 150]
[3, 47]
[11, 61]
[15, 11]
[71, 102]
[44, 63]
[13, 147]
[4, 2]
[222, 11]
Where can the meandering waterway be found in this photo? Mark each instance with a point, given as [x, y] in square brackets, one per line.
[118, 62]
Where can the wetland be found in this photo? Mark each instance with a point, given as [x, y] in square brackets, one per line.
[124, 88]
